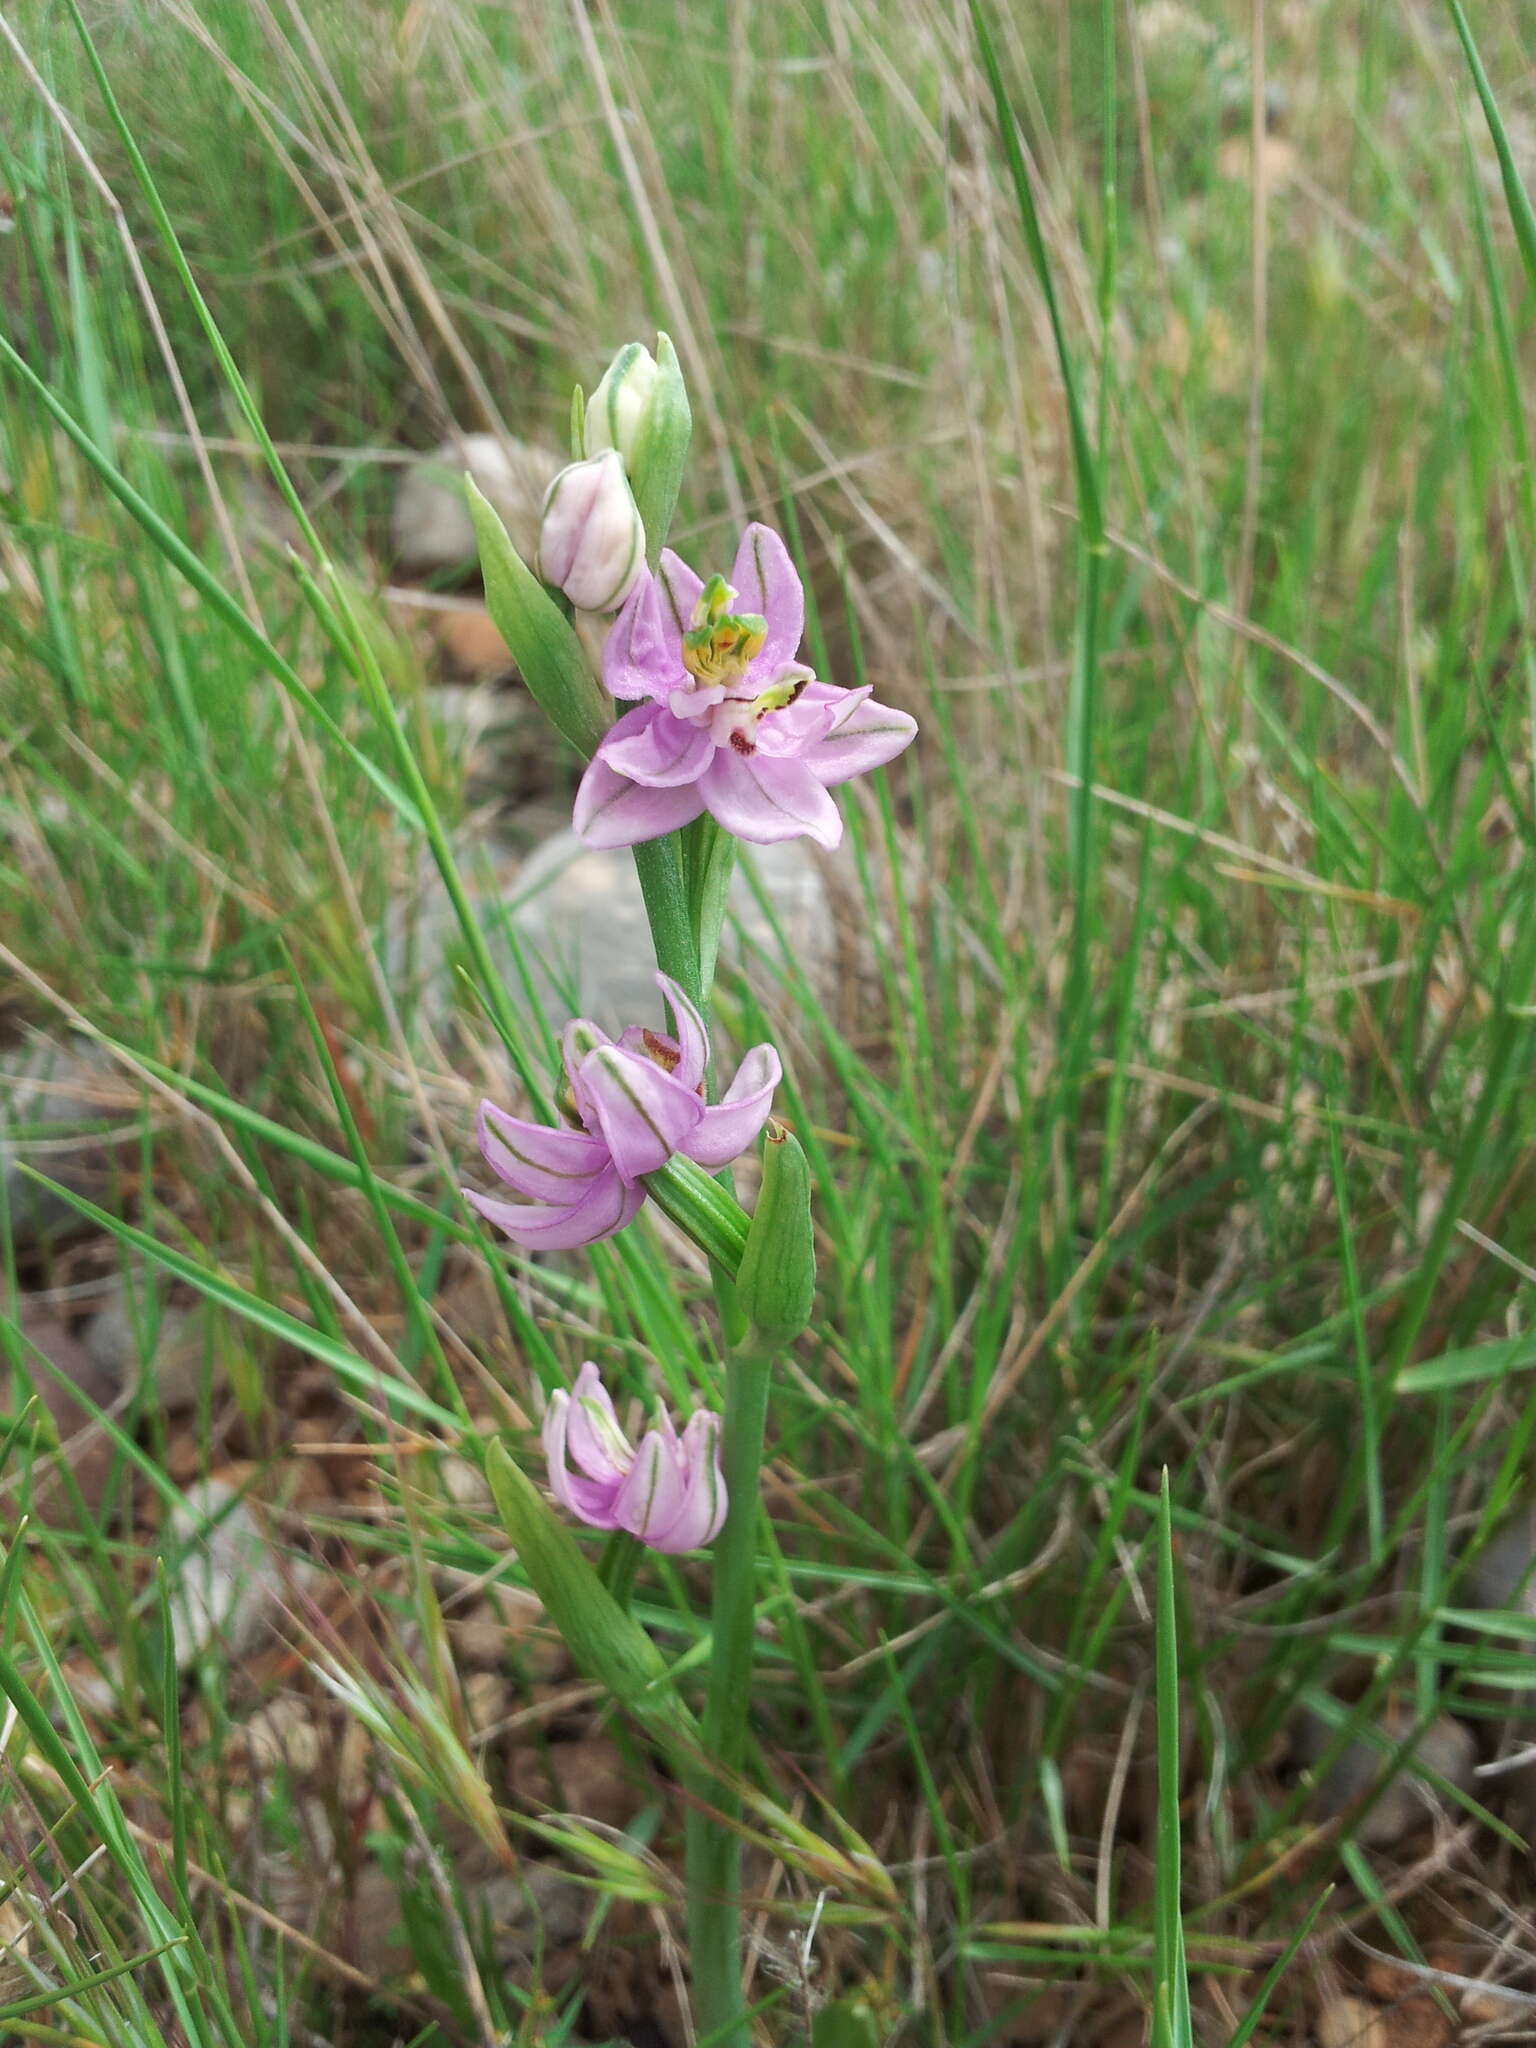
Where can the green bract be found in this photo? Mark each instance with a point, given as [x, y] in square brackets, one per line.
[776, 1282]
[542, 640]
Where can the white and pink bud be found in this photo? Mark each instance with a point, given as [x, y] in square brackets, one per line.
[591, 539]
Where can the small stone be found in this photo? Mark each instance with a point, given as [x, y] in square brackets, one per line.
[1417, 2023]
[470, 644]
[1446, 1748]
[487, 1699]
[534, 1648]
[176, 1359]
[83, 1441]
[1502, 1579]
[64, 1106]
[538, 1907]
[354, 1767]
[423, 944]
[479, 1641]
[1350, 2023]
[230, 1587]
[431, 527]
[464, 1483]
[283, 1736]
[1503, 1576]
[585, 1778]
[1490, 2007]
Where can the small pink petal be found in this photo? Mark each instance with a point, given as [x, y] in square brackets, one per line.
[766, 800]
[765, 581]
[591, 1501]
[649, 745]
[795, 729]
[692, 1039]
[866, 735]
[726, 1130]
[613, 811]
[696, 702]
[654, 1495]
[568, 504]
[543, 1163]
[607, 1207]
[702, 1514]
[641, 1113]
[641, 657]
[597, 1443]
[680, 591]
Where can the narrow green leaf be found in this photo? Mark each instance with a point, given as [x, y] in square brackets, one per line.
[1520, 211]
[1172, 2021]
[1467, 1367]
[18, 2007]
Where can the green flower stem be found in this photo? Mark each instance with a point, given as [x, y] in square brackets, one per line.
[619, 1563]
[713, 1843]
[708, 1212]
[709, 861]
[659, 864]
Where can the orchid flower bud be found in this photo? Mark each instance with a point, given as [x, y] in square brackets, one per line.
[667, 1490]
[617, 408]
[592, 541]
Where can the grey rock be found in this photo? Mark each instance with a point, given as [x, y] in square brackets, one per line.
[581, 914]
[63, 1108]
[76, 1379]
[422, 943]
[1503, 1576]
[170, 1347]
[538, 1907]
[431, 527]
[1502, 1580]
[230, 1586]
[1447, 1748]
[486, 732]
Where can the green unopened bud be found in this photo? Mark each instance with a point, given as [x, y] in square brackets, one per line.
[657, 451]
[617, 408]
[776, 1282]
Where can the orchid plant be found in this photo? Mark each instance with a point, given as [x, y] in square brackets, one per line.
[730, 736]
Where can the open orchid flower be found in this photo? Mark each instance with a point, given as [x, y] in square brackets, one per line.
[731, 722]
[668, 1490]
[636, 1100]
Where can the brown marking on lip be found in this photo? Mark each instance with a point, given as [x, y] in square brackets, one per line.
[742, 744]
[662, 1051]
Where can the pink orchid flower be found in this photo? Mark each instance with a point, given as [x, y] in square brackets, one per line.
[668, 1490]
[731, 722]
[637, 1100]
